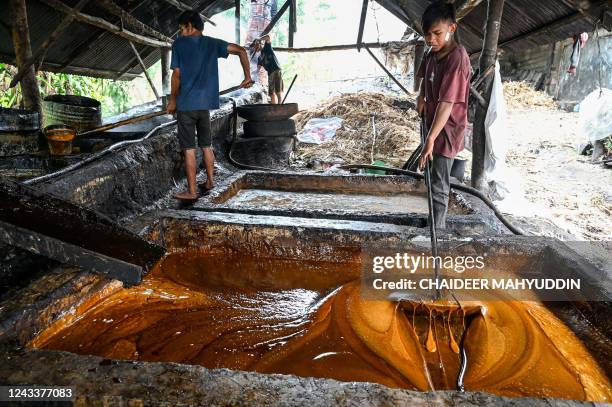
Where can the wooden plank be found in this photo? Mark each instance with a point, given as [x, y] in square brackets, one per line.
[50, 40]
[487, 58]
[102, 23]
[362, 20]
[184, 7]
[23, 53]
[31, 209]
[144, 69]
[275, 19]
[67, 253]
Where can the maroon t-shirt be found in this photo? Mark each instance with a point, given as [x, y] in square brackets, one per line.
[447, 80]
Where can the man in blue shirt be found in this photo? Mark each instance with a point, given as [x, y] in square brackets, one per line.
[195, 91]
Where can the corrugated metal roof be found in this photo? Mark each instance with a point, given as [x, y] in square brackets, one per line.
[85, 46]
[519, 17]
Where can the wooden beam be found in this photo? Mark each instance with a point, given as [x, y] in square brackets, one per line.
[144, 69]
[487, 58]
[237, 20]
[41, 52]
[67, 253]
[29, 208]
[23, 53]
[127, 18]
[362, 20]
[340, 47]
[101, 23]
[384, 68]
[464, 7]
[88, 43]
[184, 7]
[275, 19]
[165, 70]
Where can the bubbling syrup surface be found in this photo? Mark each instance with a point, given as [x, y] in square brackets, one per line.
[244, 313]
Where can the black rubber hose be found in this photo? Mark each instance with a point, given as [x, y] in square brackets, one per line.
[460, 187]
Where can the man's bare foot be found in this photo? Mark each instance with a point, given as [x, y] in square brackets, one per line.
[185, 196]
[207, 186]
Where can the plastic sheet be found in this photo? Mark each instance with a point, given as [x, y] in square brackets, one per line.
[320, 130]
[596, 114]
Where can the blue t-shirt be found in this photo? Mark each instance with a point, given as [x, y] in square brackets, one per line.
[196, 58]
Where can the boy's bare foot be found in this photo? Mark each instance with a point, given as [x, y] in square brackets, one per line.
[185, 196]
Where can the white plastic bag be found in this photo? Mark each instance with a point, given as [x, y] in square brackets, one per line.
[320, 130]
[596, 114]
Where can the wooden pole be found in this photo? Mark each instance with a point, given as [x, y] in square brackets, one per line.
[292, 16]
[487, 58]
[165, 70]
[144, 69]
[39, 54]
[102, 23]
[23, 53]
[237, 20]
[364, 12]
[419, 52]
[276, 17]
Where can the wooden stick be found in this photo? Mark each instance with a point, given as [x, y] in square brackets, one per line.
[144, 69]
[398, 83]
[46, 44]
[105, 25]
[184, 7]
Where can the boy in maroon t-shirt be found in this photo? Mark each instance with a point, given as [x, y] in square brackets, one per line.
[443, 99]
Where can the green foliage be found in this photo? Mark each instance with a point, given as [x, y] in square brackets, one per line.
[113, 95]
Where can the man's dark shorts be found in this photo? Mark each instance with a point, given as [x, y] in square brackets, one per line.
[188, 123]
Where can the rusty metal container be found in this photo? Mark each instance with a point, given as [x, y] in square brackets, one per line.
[60, 137]
[19, 132]
[79, 112]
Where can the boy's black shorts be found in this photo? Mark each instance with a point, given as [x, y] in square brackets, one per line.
[190, 123]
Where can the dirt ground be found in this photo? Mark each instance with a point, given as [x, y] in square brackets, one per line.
[574, 194]
[561, 187]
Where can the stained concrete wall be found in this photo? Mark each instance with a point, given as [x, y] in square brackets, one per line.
[545, 67]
